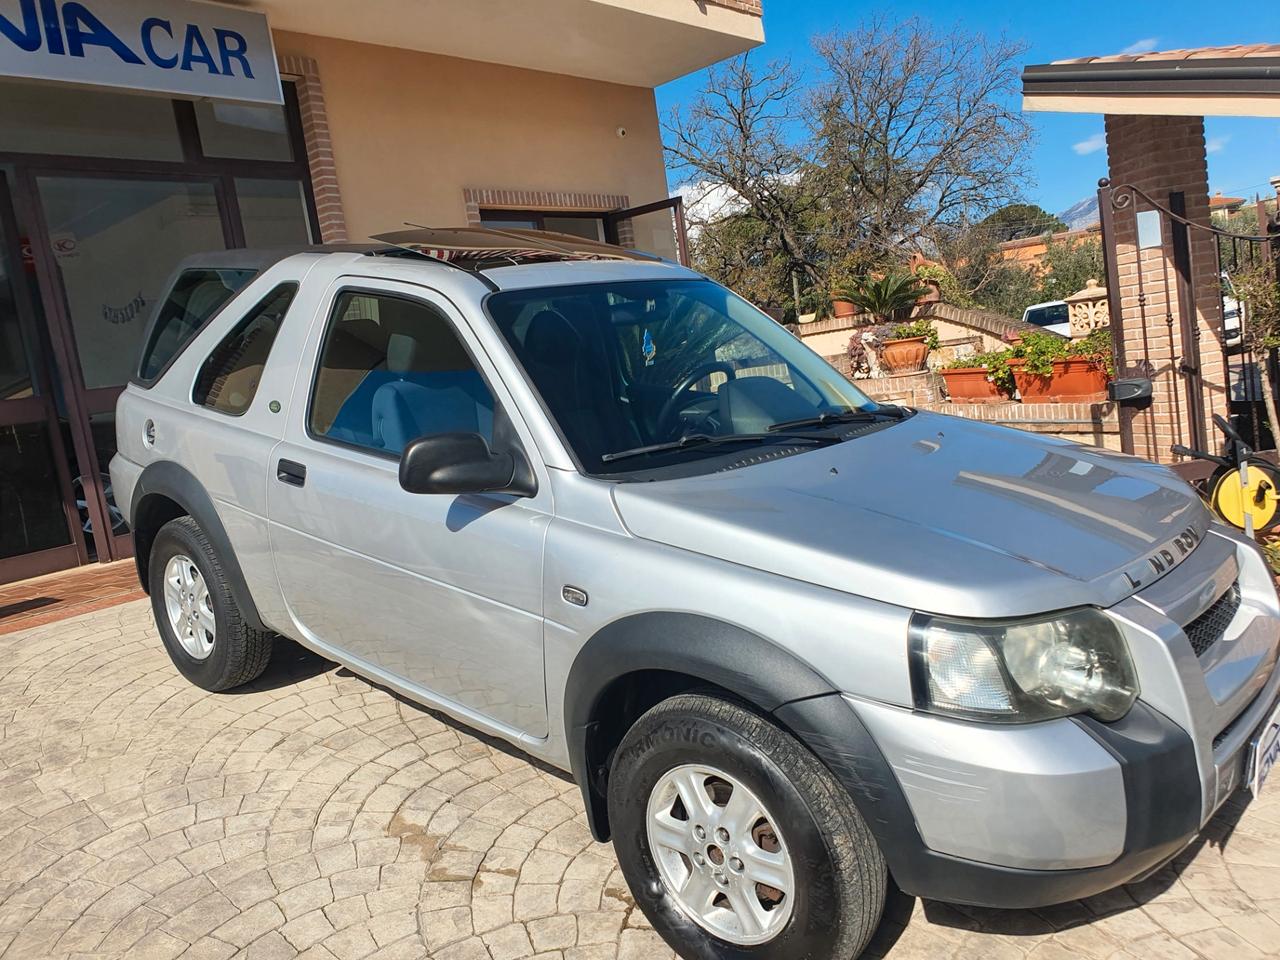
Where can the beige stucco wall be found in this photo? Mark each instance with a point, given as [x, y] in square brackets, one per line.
[411, 130]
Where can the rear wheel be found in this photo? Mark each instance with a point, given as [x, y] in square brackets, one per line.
[202, 628]
[736, 841]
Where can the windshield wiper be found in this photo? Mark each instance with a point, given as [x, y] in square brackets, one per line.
[704, 440]
[825, 419]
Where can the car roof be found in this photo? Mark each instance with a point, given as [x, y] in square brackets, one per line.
[499, 259]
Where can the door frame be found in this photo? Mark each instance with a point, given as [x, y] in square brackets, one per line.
[83, 402]
[64, 361]
[37, 409]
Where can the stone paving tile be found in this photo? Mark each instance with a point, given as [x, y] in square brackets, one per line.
[313, 815]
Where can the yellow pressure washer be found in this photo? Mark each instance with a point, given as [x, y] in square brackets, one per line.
[1245, 489]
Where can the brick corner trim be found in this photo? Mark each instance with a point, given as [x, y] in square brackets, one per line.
[753, 7]
[305, 74]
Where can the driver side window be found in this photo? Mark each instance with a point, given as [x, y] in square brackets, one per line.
[392, 370]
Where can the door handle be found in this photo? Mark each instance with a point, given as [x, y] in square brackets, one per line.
[294, 474]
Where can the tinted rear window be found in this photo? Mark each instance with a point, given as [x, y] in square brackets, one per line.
[195, 298]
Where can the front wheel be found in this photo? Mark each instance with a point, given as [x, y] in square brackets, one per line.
[736, 841]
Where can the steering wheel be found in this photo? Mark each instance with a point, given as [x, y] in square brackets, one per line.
[671, 408]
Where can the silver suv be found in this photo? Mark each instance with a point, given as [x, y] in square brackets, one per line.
[790, 642]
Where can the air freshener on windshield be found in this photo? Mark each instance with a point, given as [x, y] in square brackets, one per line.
[648, 349]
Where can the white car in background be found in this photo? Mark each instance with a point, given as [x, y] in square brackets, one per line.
[1052, 316]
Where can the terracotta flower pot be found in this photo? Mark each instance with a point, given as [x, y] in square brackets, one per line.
[933, 294]
[1074, 380]
[904, 356]
[971, 385]
[843, 309]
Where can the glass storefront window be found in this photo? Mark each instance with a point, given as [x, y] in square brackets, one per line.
[31, 516]
[116, 243]
[274, 213]
[243, 131]
[98, 123]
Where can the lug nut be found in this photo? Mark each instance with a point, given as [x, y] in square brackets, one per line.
[699, 859]
[722, 834]
[700, 833]
[735, 865]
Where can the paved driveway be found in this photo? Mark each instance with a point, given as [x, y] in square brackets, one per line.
[318, 815]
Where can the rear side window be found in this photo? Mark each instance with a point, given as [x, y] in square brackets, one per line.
[229, 379]
[195, 298]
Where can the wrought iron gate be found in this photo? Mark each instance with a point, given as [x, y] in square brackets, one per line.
[1163, 299]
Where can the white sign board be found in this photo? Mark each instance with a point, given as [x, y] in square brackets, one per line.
[164, 46]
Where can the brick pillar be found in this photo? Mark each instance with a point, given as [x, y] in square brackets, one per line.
[1162, 156]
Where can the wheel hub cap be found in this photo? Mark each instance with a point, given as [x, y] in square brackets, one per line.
[189, 606]
[720, 855]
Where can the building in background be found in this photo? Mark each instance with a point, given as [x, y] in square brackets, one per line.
[136, 132]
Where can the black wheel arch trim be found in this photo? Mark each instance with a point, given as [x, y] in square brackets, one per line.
[168, 479]
[712, 651]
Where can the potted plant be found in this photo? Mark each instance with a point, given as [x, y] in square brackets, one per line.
[1050, 369]
[864, 350]
[982, 378]
[888, 299]
[907, 348]
[933, 276]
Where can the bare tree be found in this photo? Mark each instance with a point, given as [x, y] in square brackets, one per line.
[916, 131]
[739, 134]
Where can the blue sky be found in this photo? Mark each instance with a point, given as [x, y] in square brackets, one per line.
[1068, 156]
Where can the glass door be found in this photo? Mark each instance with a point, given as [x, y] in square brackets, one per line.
[38, 526]
[104, 248]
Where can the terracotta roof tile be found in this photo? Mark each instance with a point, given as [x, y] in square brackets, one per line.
[1237, 52]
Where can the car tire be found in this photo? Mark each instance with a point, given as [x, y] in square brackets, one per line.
[202, 628]
[809, 831]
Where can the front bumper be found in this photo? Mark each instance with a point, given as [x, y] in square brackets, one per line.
[1160, 796]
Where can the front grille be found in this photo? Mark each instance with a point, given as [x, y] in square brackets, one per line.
[1207, 629]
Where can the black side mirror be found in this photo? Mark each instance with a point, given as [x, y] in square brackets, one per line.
[1132, 390]
[457, 463]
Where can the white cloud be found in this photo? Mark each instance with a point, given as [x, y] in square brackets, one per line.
[1146, 45]
[1217, 144]
[1092, 145]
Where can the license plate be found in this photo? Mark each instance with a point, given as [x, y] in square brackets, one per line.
[1264, 752]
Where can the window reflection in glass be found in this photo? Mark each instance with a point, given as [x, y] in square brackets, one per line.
[116, 242]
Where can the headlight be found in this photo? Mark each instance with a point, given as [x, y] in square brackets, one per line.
[1018, 671]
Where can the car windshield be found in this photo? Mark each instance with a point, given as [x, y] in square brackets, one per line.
[639, 374]
[1049, 315]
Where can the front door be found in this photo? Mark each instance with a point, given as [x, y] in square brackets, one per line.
[38, 529]
[441, 595]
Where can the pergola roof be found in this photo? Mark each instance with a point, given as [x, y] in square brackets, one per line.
[1242, 80]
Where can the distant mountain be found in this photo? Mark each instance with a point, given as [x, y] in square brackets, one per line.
[1082, 215]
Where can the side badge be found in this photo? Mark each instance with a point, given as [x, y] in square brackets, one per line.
[574, 595]
[648, 349]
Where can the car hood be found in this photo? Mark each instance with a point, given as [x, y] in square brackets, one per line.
[938, 514]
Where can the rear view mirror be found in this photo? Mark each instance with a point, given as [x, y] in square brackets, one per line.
[458, 463]
[1131, 390]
